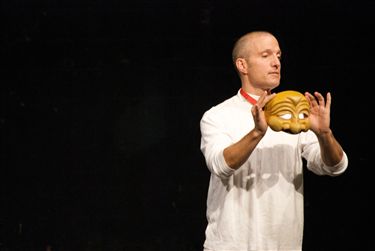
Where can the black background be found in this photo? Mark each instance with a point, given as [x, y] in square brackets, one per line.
[100, 109]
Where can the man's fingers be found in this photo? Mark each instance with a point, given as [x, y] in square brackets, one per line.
[328, 100]
[265, 98]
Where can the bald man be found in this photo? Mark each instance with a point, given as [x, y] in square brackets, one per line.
[255, 196]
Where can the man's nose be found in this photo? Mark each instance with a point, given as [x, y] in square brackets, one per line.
[276, 62]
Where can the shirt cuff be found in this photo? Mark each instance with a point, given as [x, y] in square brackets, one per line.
[339, 168]
[225, 170]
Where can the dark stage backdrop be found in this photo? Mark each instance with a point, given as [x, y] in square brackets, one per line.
[100, 109]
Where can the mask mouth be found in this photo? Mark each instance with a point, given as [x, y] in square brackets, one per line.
[290, 131]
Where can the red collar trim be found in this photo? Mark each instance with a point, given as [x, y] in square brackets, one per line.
[248, 97]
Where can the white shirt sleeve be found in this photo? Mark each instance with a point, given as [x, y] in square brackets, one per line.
[213, 142]
[311, 152]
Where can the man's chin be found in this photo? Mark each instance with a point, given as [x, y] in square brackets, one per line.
[273, 85]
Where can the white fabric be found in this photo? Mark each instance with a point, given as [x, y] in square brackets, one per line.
[260, 205]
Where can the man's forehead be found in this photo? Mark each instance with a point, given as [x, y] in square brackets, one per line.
[264, 43]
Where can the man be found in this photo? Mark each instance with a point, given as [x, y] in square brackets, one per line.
[255, 196]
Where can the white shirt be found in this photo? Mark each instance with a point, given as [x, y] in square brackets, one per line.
[260, 205]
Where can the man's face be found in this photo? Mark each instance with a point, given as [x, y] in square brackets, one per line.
[288, 111]
[263, 61]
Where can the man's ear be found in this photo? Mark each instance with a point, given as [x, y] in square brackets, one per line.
[241, 65]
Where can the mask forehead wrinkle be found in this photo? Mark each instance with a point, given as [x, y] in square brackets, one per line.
[288, 101]
[295, 99]
[282, 105]
[303, 105]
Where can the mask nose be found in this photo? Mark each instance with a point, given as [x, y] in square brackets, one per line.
[295, 126]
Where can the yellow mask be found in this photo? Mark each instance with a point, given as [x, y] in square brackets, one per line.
[288, 111]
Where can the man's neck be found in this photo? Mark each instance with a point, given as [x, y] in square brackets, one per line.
[253, 91]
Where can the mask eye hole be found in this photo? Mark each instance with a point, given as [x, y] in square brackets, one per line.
[286, 116]
[302, 116]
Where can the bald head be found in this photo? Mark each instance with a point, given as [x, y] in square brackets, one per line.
[241, 47]
[256, 58]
